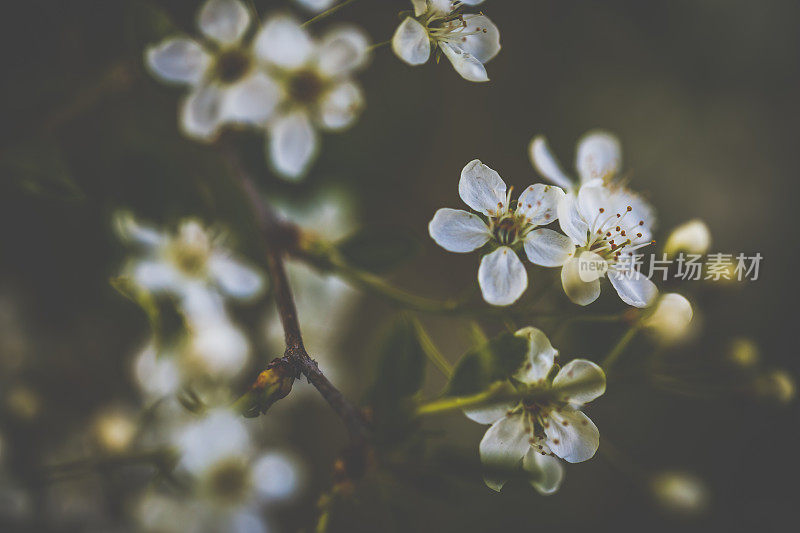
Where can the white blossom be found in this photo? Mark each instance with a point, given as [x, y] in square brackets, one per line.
[192, 264]
[316, 89]
[607, 225]
[226, 84]
[316, 6]
[546, 424]
[598, 156]
[231, 480]
[502, 275]
[467, 40]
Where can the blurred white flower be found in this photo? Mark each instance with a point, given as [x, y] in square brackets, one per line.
[671, 317]
[607, 224]
[502, 275]
[192, 264]
[221, 69]
[598, 156]
[230, 479]
[467, 40]
[692, 237]
[114, 430]
[314, 77]
[545, 425]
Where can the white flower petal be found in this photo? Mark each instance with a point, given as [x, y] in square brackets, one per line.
[316, 6]
[489, 414]
[178, 60]
[571, 220]
[634, 288]
[224, 21]
[420, 7]
[411, 43]
[276, 476]
[502, 277]
[579, 291]
[283, 42]
[548, 248]
[546, 163]
[465, 63]
[441, 6]
[217, 350]
[482, 188]
[342, 50]
[539, 359]
[458, 231]
[292, 144]
[341, 106]
[156, 276]
[131, 230]
[201, 112]
[539, 203]
[599, 155]
[580, 381]
[502, 448]
[484, 42]
[252, 100]
[236, 279]
[221, 434]
[545, 472]
[571, 435]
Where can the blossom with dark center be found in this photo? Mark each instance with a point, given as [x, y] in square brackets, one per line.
[467, 40]
[546, 423]
[509, 229]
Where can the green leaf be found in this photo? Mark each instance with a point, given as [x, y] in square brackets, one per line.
[487, 363]
[378, 250]
[401, 367]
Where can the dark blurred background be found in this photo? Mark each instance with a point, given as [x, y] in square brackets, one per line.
[702, 93]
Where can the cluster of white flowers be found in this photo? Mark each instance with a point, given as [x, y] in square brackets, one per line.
[230, 481]
[195, 268]
[467, 40]
[547, 423]
[279, 79]
[604, 224]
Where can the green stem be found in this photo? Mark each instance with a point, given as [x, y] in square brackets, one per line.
[619, 348]
[328, 13]
[431, 351]
[497, 392]
[378, 45]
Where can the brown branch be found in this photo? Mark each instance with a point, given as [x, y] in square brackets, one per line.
[278, 236]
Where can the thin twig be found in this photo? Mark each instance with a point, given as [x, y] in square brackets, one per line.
[327, 13]
[275, 235]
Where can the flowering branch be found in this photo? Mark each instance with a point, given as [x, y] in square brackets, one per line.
[275, 233]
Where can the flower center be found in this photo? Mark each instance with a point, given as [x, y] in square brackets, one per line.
[231, 65]
[614, 235]
[190, 250]
[229, 481]
[506, 230]
[305, 87]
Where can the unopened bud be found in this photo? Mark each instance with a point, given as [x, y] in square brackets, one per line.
[270, 386]
[671, 318]
[691, 237]
[680, 493]
[743, 353]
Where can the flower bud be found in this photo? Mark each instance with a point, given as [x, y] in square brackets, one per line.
[679, 492]
[671, 317]
[270, 386]
[114, 431]
[692, 237]
[743, 353]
